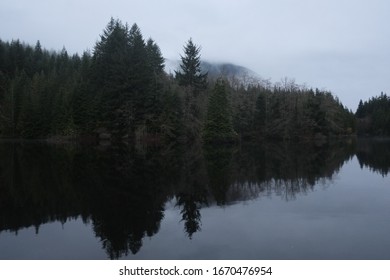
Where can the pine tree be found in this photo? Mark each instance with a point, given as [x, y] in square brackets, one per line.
[190, 73]
[374, 116]
[38, 57]
[154, 96]
[111, 71]
[360, 110]
[193, 82]
[260, 114]
[155, 58]
[140, 70]
[171, 117]
[127, 73]
[141, 76]
[111, 58]
[219, 127]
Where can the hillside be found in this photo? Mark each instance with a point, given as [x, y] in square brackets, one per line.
[238, 73]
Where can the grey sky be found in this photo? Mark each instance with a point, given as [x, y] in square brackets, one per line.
[339, 45]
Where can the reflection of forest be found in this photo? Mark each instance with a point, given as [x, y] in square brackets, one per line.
[374, 154]
[122, 191]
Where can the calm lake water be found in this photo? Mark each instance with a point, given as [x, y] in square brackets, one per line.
[264, 201]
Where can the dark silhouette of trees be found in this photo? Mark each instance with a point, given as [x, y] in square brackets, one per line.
[194, 84]
[190, 73]
[374, 154]
[120, 92]
[373, 116]
[219, 125]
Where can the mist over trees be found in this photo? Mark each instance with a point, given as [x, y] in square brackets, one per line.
[120, 92]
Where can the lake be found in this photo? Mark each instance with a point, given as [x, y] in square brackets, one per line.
[328, 200]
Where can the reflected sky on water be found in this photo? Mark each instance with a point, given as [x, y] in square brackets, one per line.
[272, 202]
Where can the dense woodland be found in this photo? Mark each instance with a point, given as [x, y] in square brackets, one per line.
[120, 92]
[373, 116]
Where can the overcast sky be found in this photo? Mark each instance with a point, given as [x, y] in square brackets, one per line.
[339, 45]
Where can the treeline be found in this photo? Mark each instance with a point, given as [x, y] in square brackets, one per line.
[288, 111]
[116, 91]
[373, 116]
[121, 92]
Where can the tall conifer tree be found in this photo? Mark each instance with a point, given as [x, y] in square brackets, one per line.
[219, 126]
[194, 82]
[190, 73]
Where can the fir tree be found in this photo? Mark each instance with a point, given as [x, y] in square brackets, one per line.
[111, 71]
[155, 58]
[193, 82]
[190, 73]
[360, 110]
[373, 116]
[140, 76]
[260, 114]
[154, 96]
[219, 127]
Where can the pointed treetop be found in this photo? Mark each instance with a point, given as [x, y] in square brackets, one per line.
[38, 46]
[190, 73]
[155, 57]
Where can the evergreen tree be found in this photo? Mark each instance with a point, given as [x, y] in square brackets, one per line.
[360, 110]
[219, 127]
[37, 58]
[373, 116]
[171, 122]
[111, 68]
[155, 58]
[154, 96]
[141, 79]
[127, 72]
[190, 73]
[140, 68]
[261, 114]
[193, 82]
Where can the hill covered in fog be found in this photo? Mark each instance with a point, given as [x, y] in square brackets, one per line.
[231, 71]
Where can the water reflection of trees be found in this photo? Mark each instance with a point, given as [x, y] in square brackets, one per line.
[374, 154]
[122, 191]
[191, 190]
[286, 169]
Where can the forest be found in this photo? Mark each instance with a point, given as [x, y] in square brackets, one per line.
[373, 116]
[120, 92]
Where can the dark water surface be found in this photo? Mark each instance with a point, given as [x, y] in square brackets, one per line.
[264, 201]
